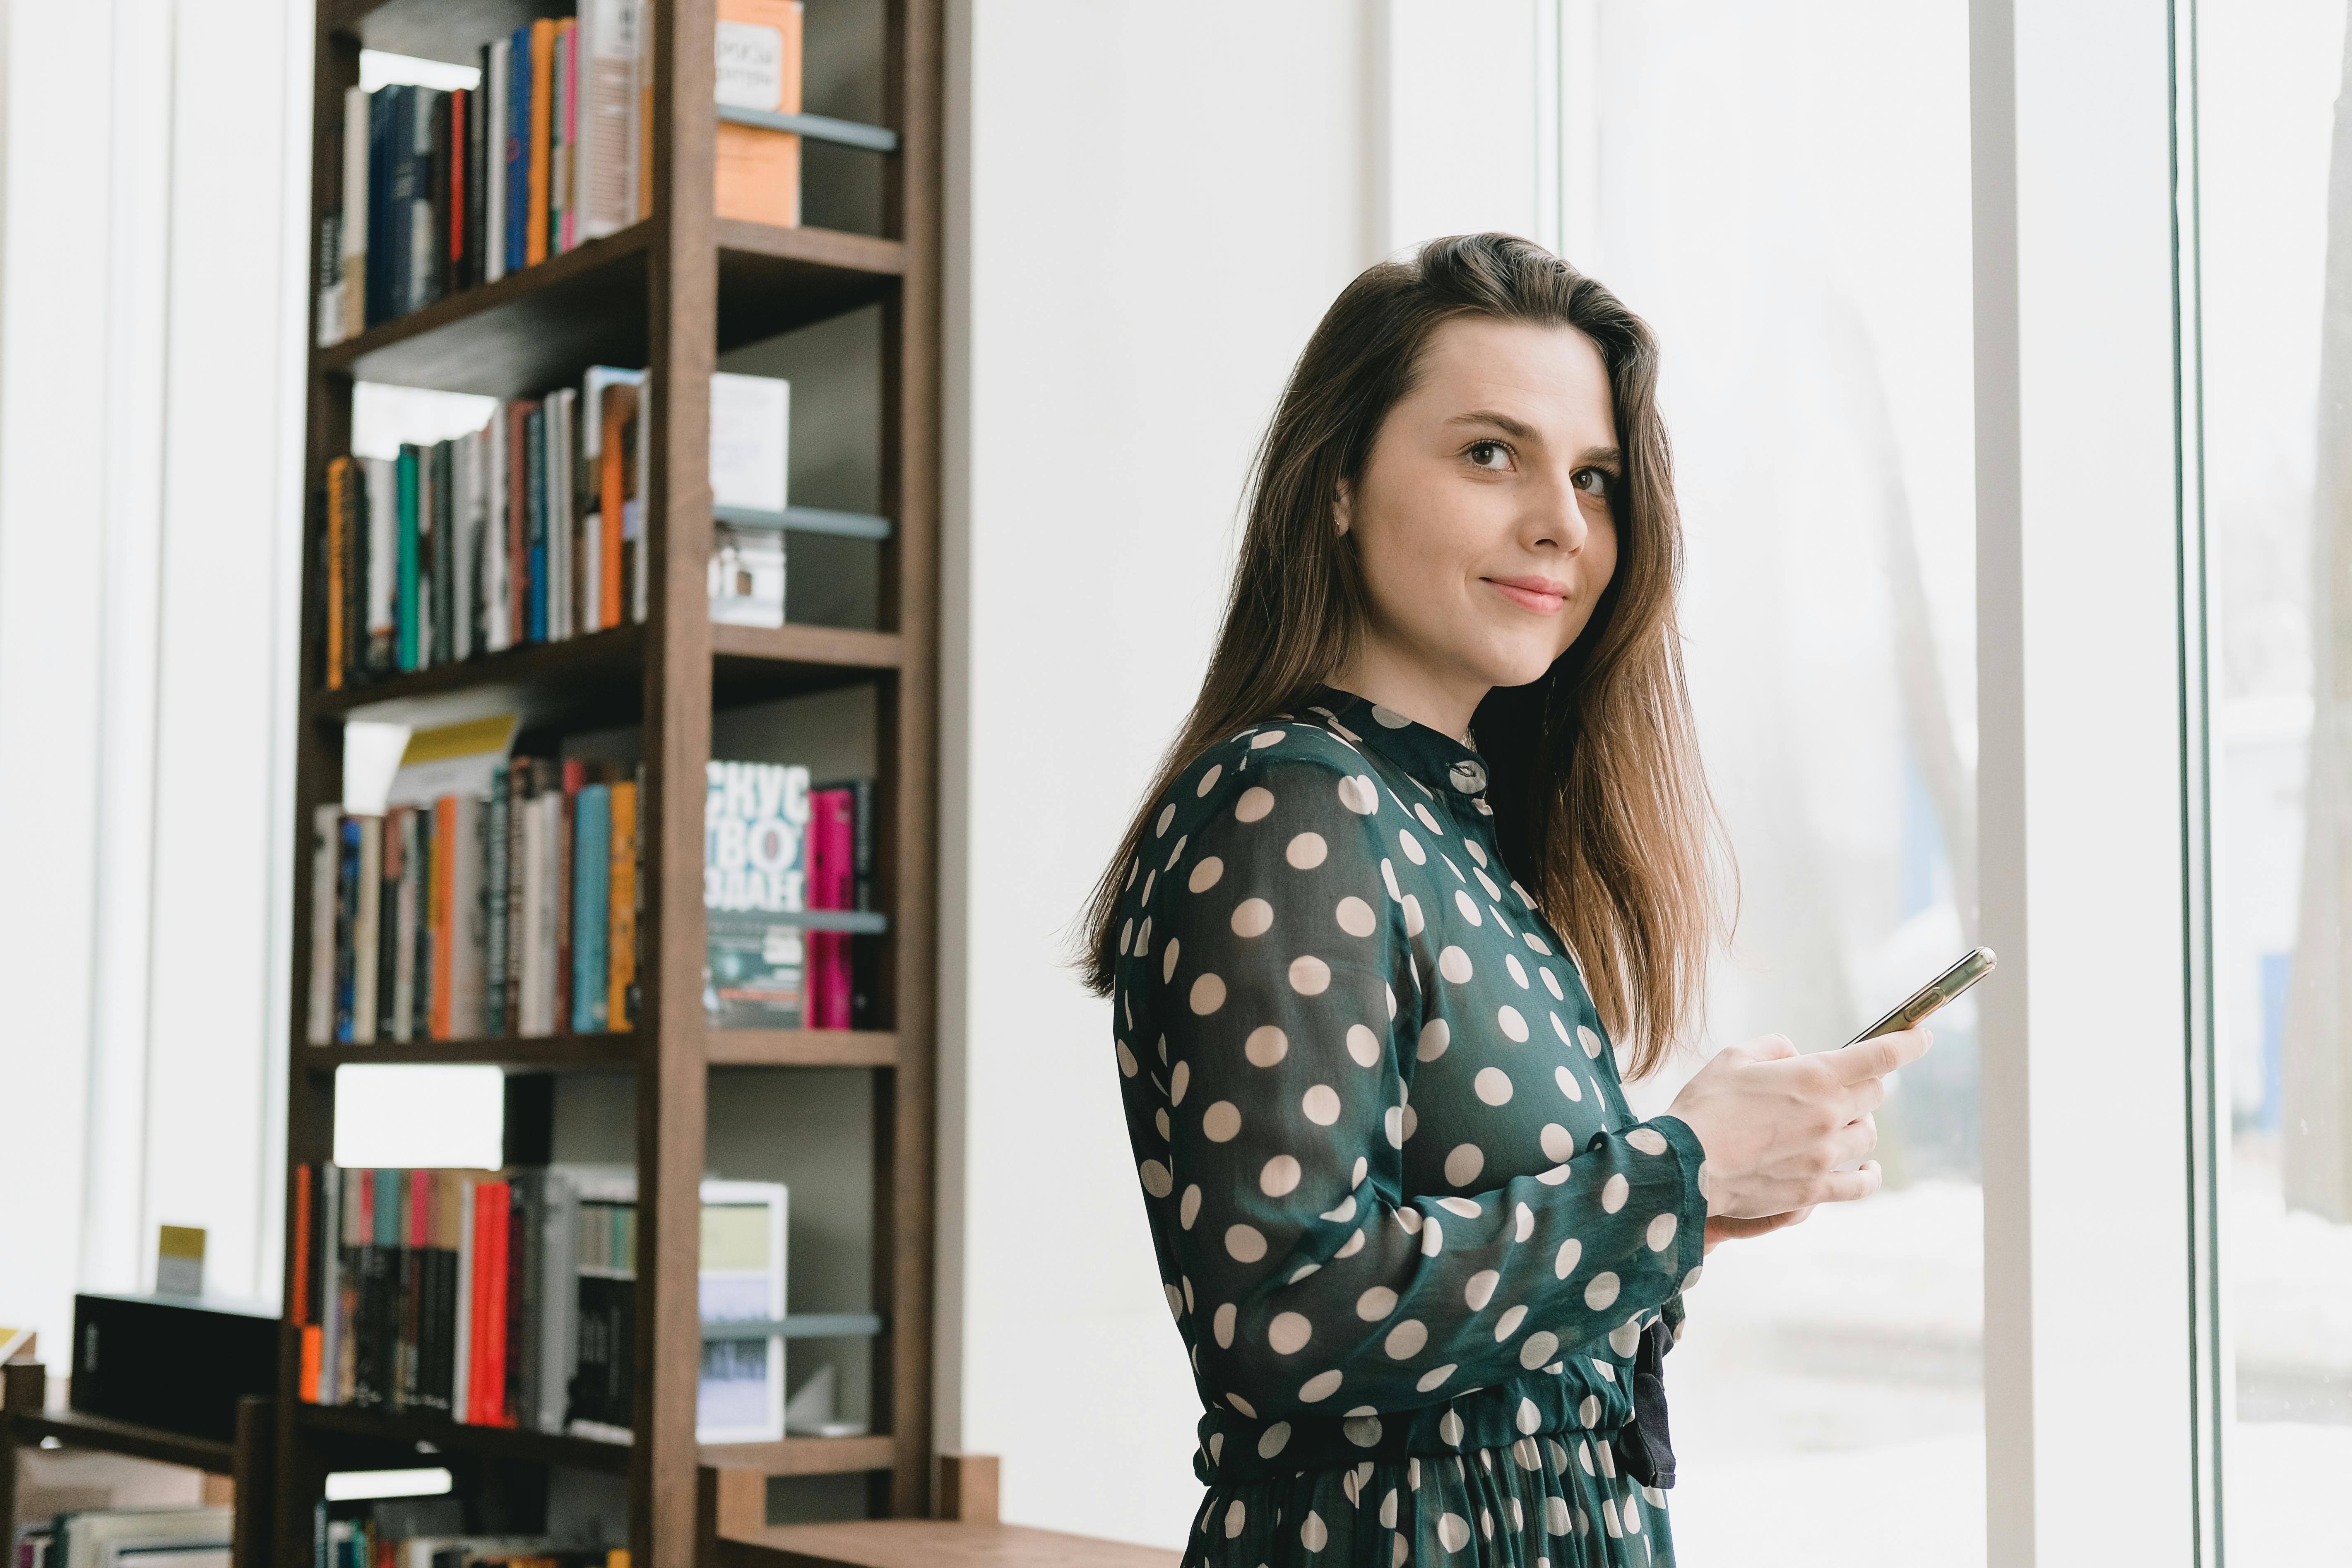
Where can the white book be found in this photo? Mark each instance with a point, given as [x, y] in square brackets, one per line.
[635, 544]
[741, 1397]
[498, 587]
[462, 1361]
[98, 1538]
[750, 440]
[535, 949]
[604, 158]
[355, 210]
[383, 550]
[326, 855]
[465, 917]
[494, 185]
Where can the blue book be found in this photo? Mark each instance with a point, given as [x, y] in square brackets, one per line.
[403, 183]
[518, 214]
[591, 864]
[404, 601]
[535, 518]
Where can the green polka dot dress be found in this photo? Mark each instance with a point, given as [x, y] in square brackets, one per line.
[1409, 1231]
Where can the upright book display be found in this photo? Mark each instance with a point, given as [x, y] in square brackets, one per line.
[666, 291]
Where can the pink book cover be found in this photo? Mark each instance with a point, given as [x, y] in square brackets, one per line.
[832, 845]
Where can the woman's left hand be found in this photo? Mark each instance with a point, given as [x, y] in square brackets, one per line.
[1721, 1228]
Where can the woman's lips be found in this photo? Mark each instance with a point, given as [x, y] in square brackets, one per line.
[1540, 594]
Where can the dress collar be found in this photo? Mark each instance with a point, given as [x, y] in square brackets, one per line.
[1439, 762]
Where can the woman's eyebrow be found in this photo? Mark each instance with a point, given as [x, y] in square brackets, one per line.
[1516, 430]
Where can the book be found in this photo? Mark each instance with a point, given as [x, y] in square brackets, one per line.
[755, 820]
[605, 155]
[832, 836]
[759, 68]
[621, 993]
[592, 910]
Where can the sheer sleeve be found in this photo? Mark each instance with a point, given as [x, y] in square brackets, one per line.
[1289, 972]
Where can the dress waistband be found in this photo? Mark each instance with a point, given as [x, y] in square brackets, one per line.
[1577, 1399]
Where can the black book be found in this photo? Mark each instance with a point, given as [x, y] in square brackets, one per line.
[601, 1387]
[428, 147]
[494, 905]
[478, 146]
[383, 293]
[420, 1005]
[386, 957]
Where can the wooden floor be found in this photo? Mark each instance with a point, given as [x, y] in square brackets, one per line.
[930, 1543]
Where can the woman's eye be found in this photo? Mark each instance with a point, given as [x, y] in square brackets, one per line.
[1489, 455]
[1591, 481]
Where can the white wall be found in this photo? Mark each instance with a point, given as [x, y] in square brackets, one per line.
[1148, 211]
[151, 283]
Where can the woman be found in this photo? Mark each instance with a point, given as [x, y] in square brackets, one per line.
[1434, 835]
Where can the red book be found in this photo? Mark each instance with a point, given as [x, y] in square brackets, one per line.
[832, 885]
[491, 1383]
[301, 1312]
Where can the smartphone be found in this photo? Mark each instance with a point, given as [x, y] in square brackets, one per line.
[1973, 966]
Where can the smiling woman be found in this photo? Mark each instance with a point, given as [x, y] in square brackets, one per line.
[1434, 833]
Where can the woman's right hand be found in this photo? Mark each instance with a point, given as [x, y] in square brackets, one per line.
[1777, 1126]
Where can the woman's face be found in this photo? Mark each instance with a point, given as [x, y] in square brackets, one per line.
[1482, 519]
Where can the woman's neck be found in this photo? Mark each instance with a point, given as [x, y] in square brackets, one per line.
[1381, 674]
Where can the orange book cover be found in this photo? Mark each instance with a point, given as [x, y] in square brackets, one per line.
[445, 875]
[613, 495]
[759, 68]
[620, 923]
[339, 487]
[543, 108]
[314, 1341]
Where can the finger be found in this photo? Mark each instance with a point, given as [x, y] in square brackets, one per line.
[1854, 1140]
[1877, 1057]
[1845, 1186]
[1865, 1097]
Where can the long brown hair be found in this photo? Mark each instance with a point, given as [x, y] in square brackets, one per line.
[1593, 770]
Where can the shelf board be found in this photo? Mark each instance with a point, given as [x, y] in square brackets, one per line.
[800, 1048]
[600, 672]
[773, 279]
[616, 1051]
[789, 659]
[803, 1456]
[76, 1429]
[491, 1442]
[928, 1543]
[539, 327]
[528, 332]
[549, 671]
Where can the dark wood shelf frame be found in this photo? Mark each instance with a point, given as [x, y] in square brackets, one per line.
[671, 292]
[722, 1048]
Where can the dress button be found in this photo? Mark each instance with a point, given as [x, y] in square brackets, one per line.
[1467, 777]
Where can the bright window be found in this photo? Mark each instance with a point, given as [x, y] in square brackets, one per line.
[1781, 189]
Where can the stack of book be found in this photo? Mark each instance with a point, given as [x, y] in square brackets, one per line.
[509, 1298]
[774, 848]
[431, 193]
[529, 530]
[514, 915]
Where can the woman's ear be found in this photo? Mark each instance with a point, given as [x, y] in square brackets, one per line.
[1343, 508]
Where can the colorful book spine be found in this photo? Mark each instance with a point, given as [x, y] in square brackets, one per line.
[592, 908]
[620, 996]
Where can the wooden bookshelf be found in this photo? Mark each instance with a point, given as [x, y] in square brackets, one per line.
[671, 292]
